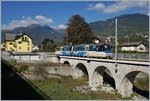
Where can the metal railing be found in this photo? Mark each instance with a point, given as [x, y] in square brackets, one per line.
[135, 57]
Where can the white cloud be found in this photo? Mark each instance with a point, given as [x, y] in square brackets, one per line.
[96, 6]
[26, 21]
[118, 6]
[60, 27]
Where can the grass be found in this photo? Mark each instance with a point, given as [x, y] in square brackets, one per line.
[62, 89]
[142, 83]
[58, 90]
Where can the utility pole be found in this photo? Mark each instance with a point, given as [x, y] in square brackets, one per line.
[67, 38]
[116, 43]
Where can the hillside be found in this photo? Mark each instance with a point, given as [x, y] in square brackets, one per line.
[37, 32]
[127, 24]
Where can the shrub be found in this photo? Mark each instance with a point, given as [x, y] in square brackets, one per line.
[22, 68]
[41, 72]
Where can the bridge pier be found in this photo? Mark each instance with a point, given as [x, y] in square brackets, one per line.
[126, 88]
[77, 73]
[97, 80]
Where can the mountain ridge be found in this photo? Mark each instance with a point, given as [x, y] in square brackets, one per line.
[37, 32]
[127, 24]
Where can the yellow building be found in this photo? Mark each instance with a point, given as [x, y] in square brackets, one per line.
[3, 46]
[18, 43]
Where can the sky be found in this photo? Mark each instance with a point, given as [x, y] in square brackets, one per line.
[57, 13]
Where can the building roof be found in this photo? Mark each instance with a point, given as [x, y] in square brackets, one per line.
[10, 37]
[101, 39]
[35, 47]
[132, 43]
[19, 36]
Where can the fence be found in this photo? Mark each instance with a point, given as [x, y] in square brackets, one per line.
[138, 57]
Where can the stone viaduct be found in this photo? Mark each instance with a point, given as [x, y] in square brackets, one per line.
[123, 76]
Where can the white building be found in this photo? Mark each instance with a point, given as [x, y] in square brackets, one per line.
[134, 46]
[35, 48]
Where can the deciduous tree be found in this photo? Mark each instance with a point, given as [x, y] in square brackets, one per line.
[78, 31]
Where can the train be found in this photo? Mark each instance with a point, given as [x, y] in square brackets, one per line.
[85, 50]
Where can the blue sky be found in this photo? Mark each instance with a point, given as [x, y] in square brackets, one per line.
[56, 14]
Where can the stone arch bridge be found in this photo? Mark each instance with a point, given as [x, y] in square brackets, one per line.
[123, 76]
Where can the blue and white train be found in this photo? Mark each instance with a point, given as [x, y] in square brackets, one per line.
[85, 50]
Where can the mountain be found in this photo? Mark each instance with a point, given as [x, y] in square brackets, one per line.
[37, 32]
[62, 31]
[127, 24]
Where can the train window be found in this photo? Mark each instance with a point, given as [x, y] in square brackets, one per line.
[86, 49]
[97, 47]
[90, 48]
[108, 47]
[94, 47]
[102, 48]
[75, 48]
[82, 48]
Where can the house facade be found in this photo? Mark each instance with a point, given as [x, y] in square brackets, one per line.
[134, 46]
[18, 43]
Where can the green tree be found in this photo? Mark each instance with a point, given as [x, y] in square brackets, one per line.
[48, 45]
[78, 31]
[45, 41]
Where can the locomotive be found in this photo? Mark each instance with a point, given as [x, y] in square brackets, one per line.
[85, 50]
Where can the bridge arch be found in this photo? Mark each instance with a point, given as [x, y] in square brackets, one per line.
[66, 62]
[102, 75]
[126, 86]
[81, 70]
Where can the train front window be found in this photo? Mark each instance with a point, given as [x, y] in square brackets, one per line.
[102, 48]
[107, 47]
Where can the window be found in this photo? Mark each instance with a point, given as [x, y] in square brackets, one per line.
[141, 48]
[25, 38]
[10, 43]
[19, 42]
